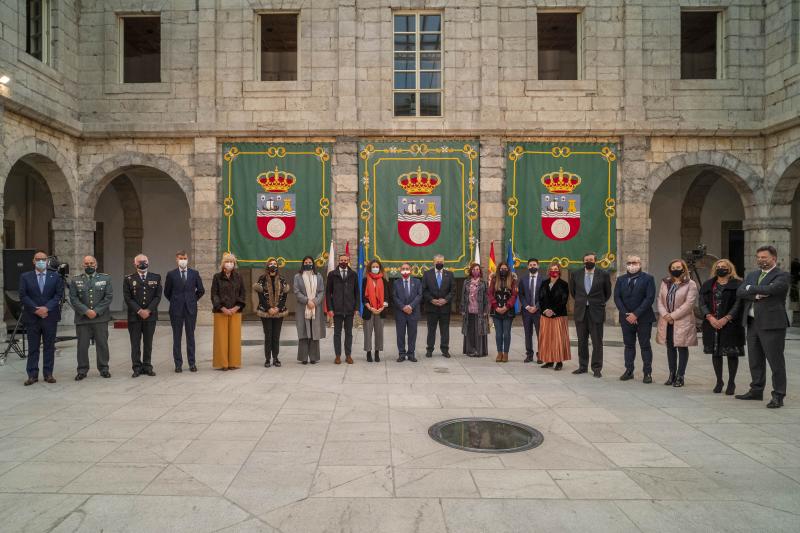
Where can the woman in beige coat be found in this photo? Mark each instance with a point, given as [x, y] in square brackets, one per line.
[676, 323]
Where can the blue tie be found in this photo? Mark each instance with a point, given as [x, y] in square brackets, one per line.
[587, 283]
[41, 281]
[439, 279]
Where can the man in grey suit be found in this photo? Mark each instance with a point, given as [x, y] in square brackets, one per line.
[764, 294]
[90, 295]
[406, 297]
[590, 289]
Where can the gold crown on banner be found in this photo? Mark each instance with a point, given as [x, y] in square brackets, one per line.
[276, 180]
[419, 182]
[561, 182]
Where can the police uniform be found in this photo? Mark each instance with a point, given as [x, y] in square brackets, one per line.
[91, 292]
[142, 292]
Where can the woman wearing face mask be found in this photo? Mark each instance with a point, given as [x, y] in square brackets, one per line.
[272, 290]
[309, 290]
[502, 295]
[375, 297]
[723, 332]
[228, 300]
[475, 313]
[676, 325]
[554, 346]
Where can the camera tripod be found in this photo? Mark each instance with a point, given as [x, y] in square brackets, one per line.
[13, 343]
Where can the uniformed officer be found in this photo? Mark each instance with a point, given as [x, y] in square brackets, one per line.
[90, 295]
[142, 292]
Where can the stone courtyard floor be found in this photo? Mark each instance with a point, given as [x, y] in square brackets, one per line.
[345, 448]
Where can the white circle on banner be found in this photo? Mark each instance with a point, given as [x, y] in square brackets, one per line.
[560, 228]
[276, 227]
[418, 233]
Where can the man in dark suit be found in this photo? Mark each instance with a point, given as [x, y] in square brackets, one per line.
[341, 292]
[528, 294]
[142, 292]
[40, 292]
[634, 294]
[407, 296]
[438, 291]
[590, 289]
[764, 294]
[183, 288]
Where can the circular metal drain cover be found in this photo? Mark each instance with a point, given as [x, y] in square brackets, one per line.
[487, 435]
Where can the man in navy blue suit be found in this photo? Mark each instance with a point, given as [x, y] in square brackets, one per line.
[183, 288]
[634, 294]
[406, 297]
[529, 303]
[40, 292]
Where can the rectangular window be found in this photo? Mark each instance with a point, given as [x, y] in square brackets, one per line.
[700, 45]
[141, 49]
[417, 65]
[37, 29]
[279, 46]
[559, 45]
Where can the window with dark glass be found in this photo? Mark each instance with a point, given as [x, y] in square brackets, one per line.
[558, 45]
[37, 29]
[699, 40]
[417, 65]
[141, 49]
[279, 47]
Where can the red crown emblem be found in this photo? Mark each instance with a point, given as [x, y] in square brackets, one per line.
[419, 182]
[276, 180]
[561, 182]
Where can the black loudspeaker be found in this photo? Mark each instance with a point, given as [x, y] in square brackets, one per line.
[15, 262]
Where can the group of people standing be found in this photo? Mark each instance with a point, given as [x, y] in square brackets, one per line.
[734, 312]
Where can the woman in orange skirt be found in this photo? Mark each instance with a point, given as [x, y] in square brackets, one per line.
[553, 332]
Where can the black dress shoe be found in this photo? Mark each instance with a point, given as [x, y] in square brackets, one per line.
[313, 362]
[136, 374]
[579, 371]
[401, 359]
[150, 373]
[275, 362]
[597, 374]
[178, 370]
[192, 368]
[730, 389]
[775, 403]
[670, 379]
[303, 362]
[428, 354]
[80, 376]
[647, 378]
[750, 395]
[446, 354]
[266, 364]
[559, 366]
[547, 365]
[528, 359]
[412, 359]
[626, 376]
[678, 381]
[105, 374]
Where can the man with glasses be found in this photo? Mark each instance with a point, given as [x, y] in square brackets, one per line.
[634, 294]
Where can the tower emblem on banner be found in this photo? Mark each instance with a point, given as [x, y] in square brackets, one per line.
[275, 214]
[419, 220]
[561, 210]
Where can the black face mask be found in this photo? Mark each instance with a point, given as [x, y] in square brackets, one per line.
[89, 270]
[676, 273]
[503, 273]
[272, 269]
[439, 266]
[533, 270]
[589, 265]
[308, 267]
[142, 265]
[722, 272]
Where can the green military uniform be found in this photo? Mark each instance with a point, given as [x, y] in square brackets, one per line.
[91, 292]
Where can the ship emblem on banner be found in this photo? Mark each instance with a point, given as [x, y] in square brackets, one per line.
[275, 212]
[419, 219]
[561, 210]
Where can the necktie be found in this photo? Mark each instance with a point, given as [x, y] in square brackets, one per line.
[41, 281]
[587, 283]
[183, 275]
[762, 276]
[439, 279]
[408, 291]
[631, 283]
[533, 290]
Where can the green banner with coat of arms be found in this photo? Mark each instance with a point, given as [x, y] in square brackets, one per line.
[418, 199]
[561, 201]
[276, 202]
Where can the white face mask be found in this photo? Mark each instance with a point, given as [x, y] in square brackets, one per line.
[183, 263]
[228, 266]
[376, 270]
[633, 269]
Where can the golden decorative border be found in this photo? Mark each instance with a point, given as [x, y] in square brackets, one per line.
[515, 155]
[280, 152]
[419, 152]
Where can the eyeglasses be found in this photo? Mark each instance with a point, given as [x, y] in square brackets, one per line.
[632, 263]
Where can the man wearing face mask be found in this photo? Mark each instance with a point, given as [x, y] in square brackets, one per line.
[438, 290]
[590, 288]
[183, 288]
[407, 295]
[529, 304]
[90, 295]
[142, 293]
[764, 293]
[342, 300]
[634, 295]
[40, 292]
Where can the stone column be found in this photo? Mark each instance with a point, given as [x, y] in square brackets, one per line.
[775, 230]
[492, 207]
[344, 194]
[206, 218]
[633, 209]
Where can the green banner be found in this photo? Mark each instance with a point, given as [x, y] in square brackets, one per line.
[561, 201]
[419, 199]
[276, 202]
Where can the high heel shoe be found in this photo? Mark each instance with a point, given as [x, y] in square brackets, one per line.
[670, 379]
[719, 386]
[678, 381]
[731, 388]
[559, 365]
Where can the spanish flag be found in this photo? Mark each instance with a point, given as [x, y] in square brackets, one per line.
[492, 262]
